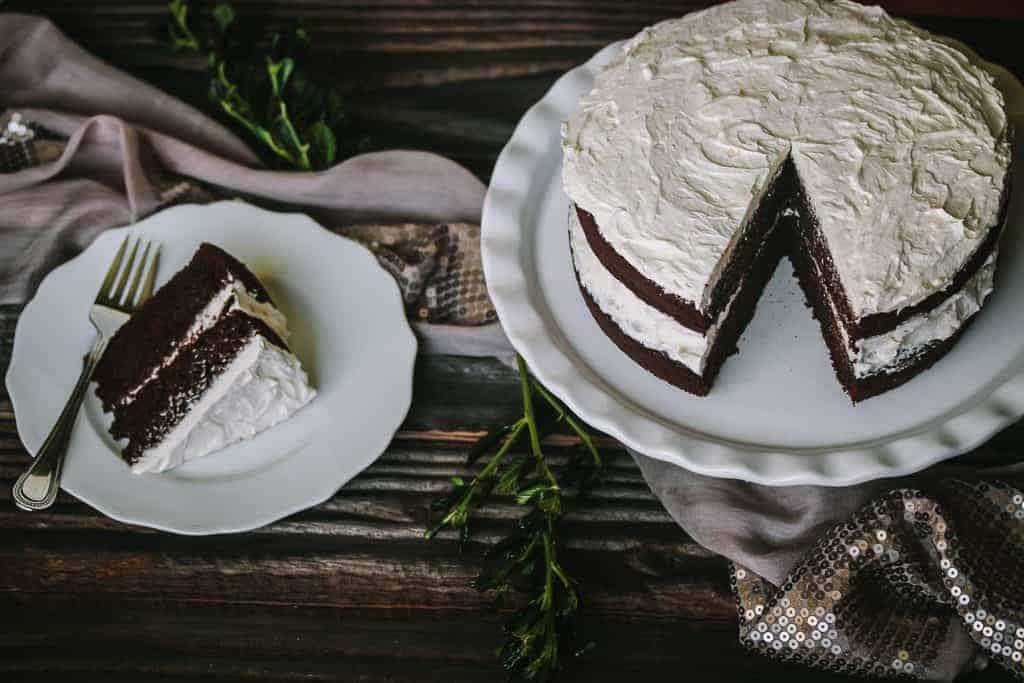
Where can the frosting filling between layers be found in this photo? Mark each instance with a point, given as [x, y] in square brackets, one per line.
[884, 353]
[262, 386]
[231, 297]
[636, 318]
[894, 350]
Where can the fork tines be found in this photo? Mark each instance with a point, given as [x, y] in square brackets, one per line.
[132, 274]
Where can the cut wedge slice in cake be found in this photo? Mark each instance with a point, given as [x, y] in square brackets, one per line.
[201, 365]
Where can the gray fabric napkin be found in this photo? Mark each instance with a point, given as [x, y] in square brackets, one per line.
[906, 577]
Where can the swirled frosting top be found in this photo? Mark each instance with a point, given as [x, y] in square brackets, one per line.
[899, 139]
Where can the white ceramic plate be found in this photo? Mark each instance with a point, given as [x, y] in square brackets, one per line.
[776, 414]
[349, 329]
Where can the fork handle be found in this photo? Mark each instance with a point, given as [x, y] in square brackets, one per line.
[37, 488]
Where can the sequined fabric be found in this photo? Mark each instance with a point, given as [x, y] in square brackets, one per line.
[904, 581]
[437, 266]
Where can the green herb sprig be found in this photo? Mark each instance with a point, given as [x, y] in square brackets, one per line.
[544, 632]
[260, 83]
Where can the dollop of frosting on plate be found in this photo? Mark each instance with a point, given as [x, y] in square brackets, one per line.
[899, 139]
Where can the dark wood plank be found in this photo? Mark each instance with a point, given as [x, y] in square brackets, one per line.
[364, 548]
[309, 643]
[453, 78]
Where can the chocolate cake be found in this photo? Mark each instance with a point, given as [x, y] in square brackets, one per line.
[202, 364]
[874, 155]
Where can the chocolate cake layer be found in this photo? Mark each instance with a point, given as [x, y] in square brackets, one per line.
[859, 388]
[162, 403]
[740, 313]
[880, 323]
[683, 311]
[160, 324]
[786, 191]
[794, 236]
[776, 198]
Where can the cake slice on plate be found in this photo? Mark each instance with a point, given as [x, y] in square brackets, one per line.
[201, 365]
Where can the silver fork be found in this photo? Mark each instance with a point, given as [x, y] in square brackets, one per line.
[37, 488]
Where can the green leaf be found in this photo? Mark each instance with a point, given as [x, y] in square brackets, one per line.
[182, 37]
[528, 494]
[511, 479]
[179, 10]
[297, 121]
[279, 72]
[223, 16]
[551, 504]
[287, 137]
[325, 144]
[334, 106]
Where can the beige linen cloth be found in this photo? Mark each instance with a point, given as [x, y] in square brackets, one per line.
[921, 577]
[121, 149]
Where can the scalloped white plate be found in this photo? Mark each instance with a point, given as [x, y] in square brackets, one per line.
[349, 329]
[777, 414]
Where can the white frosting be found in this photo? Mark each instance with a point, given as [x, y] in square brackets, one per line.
[891, 351]
[211, 313]
[887, 352]
[265, 311]
[636, 318]
[261, 387]
[900, 141]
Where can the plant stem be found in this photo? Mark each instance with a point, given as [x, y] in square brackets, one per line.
[186, 39]
[548, 560]
[303, 160]
[545, 626]
[525, 384]
[573, 423]
[473, 489]
[510, 439]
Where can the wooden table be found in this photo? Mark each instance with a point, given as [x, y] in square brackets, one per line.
[349, 590]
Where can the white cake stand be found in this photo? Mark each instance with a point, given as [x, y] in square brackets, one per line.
[777, 414]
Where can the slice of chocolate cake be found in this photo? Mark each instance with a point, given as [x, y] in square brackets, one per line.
[201, 365]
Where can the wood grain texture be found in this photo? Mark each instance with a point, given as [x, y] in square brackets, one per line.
[348, 590]
[453, 77]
